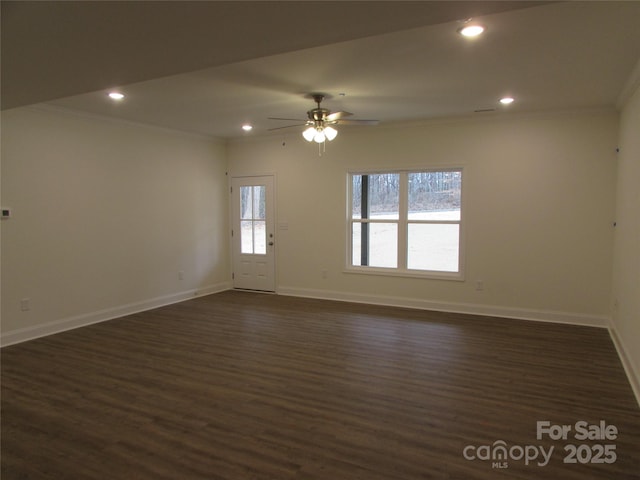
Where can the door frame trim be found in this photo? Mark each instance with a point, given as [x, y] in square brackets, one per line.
[230, 178]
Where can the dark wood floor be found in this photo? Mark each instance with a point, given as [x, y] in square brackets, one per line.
[247, 386]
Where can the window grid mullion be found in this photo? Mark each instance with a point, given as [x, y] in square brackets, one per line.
[435, 222]
[376, 220]
[253, 220]
[403, 215]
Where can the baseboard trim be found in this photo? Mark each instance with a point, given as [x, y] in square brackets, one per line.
[50, 328]
[30, 333]
[632, 374]
[452, 307]
[487, 310]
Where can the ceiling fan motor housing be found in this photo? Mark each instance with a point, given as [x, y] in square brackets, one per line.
[318, 114]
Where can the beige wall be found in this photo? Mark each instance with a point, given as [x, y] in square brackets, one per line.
[105, 215]
[626, 265]
[539, 205]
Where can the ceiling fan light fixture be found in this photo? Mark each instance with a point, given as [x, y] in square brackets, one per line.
[309, 133]
[330, 133]
[319, 137]
[318, 127]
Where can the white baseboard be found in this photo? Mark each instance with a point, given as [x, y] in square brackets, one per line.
[487, 310]
[452, 307]
[49, 328]
[632, 374]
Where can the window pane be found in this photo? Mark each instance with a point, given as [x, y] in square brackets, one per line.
[434, 195]
[259, 201]
[259, 237]
[246, 203]
[384, 196]
[383, 245]
[356, 236]
[356, 196]
[380, 244]
[433, 247]
[246, 236]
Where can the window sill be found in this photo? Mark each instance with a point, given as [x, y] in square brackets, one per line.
[394, 272]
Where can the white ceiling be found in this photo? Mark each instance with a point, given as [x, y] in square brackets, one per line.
[553, 56]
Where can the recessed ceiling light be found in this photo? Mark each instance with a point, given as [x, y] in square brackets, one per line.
[116, 96]
[471, 30]
[506, 100]
[247, 127]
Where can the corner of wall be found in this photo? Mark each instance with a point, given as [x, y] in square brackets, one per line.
[625, 324]
[631, 86]
[632, 374]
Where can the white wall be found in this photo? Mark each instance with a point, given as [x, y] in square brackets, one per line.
[105, 215]
[539, 204]
[626, 265]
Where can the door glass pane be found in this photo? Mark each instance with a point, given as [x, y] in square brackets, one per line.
[434, 195]
[246, 236]
[259, 201]
[384, 196]
[253, 228]
[246, 203]
[259, 237]
[433, 247]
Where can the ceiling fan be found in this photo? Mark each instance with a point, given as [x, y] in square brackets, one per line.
[320, 122]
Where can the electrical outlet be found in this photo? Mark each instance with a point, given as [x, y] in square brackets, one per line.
[181, 275]
[324, 274]
[25, 304]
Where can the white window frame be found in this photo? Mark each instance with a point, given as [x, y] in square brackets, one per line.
[403, 223]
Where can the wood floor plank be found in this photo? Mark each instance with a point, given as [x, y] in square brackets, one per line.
[240, 385]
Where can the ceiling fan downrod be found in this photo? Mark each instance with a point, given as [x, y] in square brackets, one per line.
[318, 115]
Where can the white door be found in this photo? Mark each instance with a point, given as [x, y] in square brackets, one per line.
[253, 233]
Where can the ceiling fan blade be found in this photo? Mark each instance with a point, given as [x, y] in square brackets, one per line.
[338, 115]
[288, 126]
[357, 122]
[287, 119]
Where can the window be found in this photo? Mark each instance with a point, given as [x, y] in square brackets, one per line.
[406, 222]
